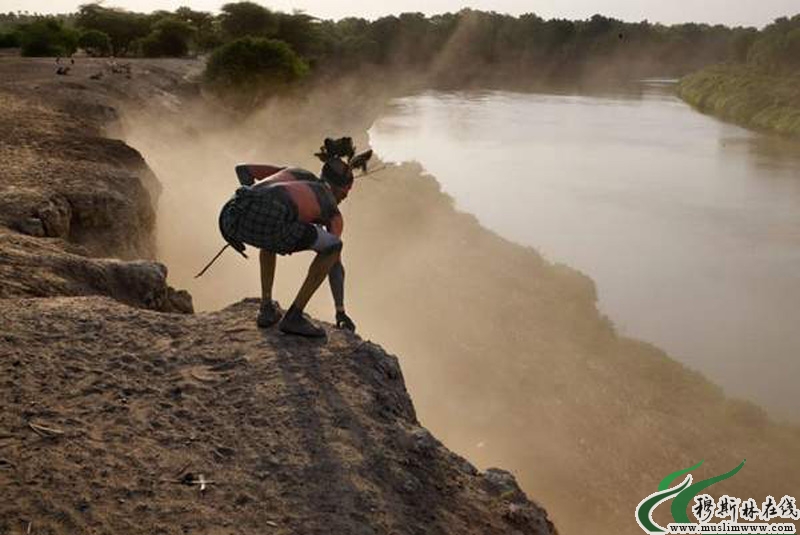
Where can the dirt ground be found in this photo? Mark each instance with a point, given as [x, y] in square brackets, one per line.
[111, 415]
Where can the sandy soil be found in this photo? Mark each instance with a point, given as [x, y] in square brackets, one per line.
[112, 415]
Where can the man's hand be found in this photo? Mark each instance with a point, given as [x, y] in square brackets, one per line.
[343, 321]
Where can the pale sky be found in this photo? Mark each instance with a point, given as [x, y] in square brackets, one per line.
[730, 12]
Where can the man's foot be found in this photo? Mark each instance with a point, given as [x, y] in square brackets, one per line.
[268, 315]
[294, 322]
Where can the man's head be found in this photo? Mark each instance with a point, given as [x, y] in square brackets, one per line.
[339, 177]
[337, 173]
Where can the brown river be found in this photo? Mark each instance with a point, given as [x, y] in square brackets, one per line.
[690, 227]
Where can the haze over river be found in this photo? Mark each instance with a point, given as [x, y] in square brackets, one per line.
[689, 227]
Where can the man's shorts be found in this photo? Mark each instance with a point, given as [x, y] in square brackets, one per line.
[265, 219]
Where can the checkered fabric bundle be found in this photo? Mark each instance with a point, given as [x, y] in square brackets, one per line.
[265, 219]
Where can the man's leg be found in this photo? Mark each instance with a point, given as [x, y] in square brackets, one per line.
[317, 272]
[328, 248]
[293, 321]
[268, 315]
[267, 262]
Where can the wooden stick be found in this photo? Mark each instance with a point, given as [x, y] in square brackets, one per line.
[45, 431]
[202, 272]
[183, 468]
[373, 171]
[192, 482]
[202, 379]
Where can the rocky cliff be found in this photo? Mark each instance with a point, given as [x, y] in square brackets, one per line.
[120, 419]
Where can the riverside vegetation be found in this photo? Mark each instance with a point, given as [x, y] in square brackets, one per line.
[762, 92]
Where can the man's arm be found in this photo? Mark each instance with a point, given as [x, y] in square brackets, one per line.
[248, 174]
[336, 275]
[336, 279]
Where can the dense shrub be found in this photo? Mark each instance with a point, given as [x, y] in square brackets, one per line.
[9, 40]
[743, 95]
[47, 37]
[95, 43]
[254, 64]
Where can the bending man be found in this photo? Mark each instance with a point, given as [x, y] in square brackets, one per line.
[286, 210]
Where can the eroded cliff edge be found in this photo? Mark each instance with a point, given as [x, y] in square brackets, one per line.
[76, 207]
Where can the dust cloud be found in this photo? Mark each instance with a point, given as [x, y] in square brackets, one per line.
[506, 357]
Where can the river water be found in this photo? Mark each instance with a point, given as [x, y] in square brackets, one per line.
[690, 227]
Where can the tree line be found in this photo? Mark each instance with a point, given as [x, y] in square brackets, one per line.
[463, 45]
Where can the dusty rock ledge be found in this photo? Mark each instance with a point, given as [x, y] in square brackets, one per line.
[34, 267]
[112, 413]
[70, 196]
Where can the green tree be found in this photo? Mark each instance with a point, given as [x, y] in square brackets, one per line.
[791, 50]
[777, 48]
[170, 38]
[95, 43]
[384, 32]
[301, 32]
[208, 34]
[742, 42]
[47, 37]
[351, 44]
[242, 19]
[122, 27]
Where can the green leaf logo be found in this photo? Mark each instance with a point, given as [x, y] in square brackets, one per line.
[683, 494]
[682, 500]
